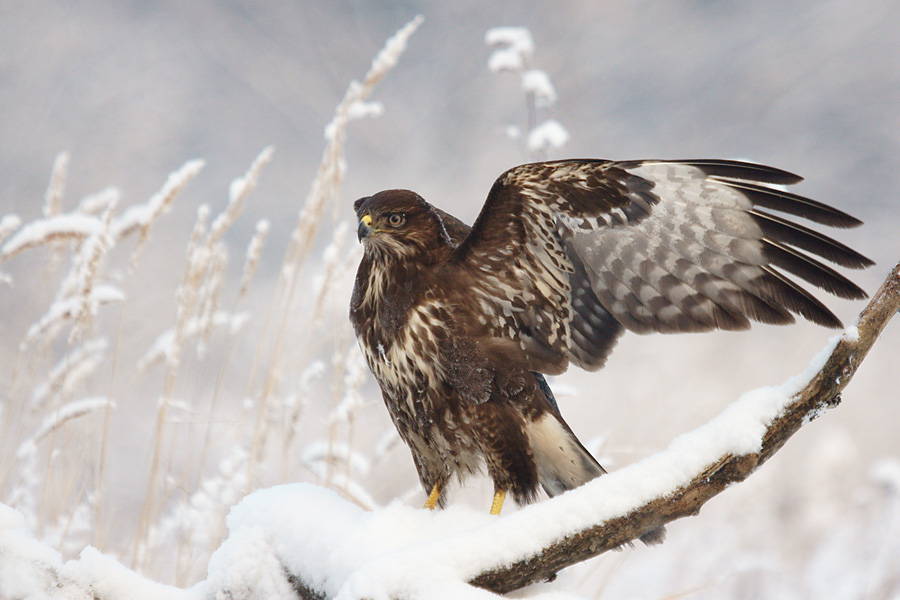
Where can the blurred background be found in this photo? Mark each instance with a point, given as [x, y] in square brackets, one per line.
[132, 90]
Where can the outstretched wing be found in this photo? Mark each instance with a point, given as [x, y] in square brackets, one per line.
[569, 253]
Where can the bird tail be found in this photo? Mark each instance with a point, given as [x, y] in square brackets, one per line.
[563, 463]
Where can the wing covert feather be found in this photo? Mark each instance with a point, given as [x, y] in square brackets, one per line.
[570, 253]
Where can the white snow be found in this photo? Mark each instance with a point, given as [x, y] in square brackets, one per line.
[30, 569]
[40, 231]
[97, 203]
[362, 109]
[405, 551]
[537, 82]
[71, 307]
[548, 135]
[104, 577]
[143, 215]
[513, 47]
[505, 59]
[165, 346]
[242, 186]
[67, 412]
[394, 47]
[8, 224]
[354, 105]
[399, 550]
[512, 132]
[886, 473]
[26, 566]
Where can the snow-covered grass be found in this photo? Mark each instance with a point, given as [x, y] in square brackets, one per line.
[127, 438]
[219, 392]
[343, 550]
[513, 52]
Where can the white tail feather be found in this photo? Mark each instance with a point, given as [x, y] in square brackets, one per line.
[562, 462]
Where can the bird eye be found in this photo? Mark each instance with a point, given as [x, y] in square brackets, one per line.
[396, 220]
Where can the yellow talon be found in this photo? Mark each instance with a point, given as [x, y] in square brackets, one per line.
[497, 504]
[433, 497]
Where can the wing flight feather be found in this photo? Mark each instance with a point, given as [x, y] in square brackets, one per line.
[571, 253]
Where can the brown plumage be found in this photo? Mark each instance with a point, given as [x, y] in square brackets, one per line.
[457, 324]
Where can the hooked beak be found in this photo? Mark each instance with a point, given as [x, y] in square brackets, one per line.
[365, 227]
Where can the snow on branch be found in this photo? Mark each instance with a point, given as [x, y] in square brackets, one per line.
[306, 541]
[401, 551]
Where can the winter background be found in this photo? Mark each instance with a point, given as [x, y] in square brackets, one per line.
[174, 332]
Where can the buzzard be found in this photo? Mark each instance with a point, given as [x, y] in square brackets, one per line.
[458, 325]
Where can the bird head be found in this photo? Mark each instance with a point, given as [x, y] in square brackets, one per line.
[399, 223]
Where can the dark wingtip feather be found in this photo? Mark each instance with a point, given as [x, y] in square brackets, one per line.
[745, 171]
[796, 298]
[787, 232]
[806, 267]
[793, 204]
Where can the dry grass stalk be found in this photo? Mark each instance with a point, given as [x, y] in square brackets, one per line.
[325, 188]
[197, 300]
[53, 230]
[53, 199]
[68, 374]
[92, 232]
[238, 191]
[59, 418]
[98, 202]
[142, 217]
[93, 251]
[8, 224]
[254, 253]
[56, 187]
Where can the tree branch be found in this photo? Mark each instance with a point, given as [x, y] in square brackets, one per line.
[822, 392]
[533, 544]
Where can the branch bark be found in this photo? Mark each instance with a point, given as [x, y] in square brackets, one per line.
[822, 392]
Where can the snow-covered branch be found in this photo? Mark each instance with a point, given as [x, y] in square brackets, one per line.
[304, 540]
[417, 551]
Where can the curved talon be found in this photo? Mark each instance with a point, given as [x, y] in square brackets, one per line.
[433, 497]
[497, 504]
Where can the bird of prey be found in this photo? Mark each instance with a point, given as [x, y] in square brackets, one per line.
[458, 324]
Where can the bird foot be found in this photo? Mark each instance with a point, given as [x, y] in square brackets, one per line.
[497, 504]
[433, 497]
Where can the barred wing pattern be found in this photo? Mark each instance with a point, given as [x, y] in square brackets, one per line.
[572, 252]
